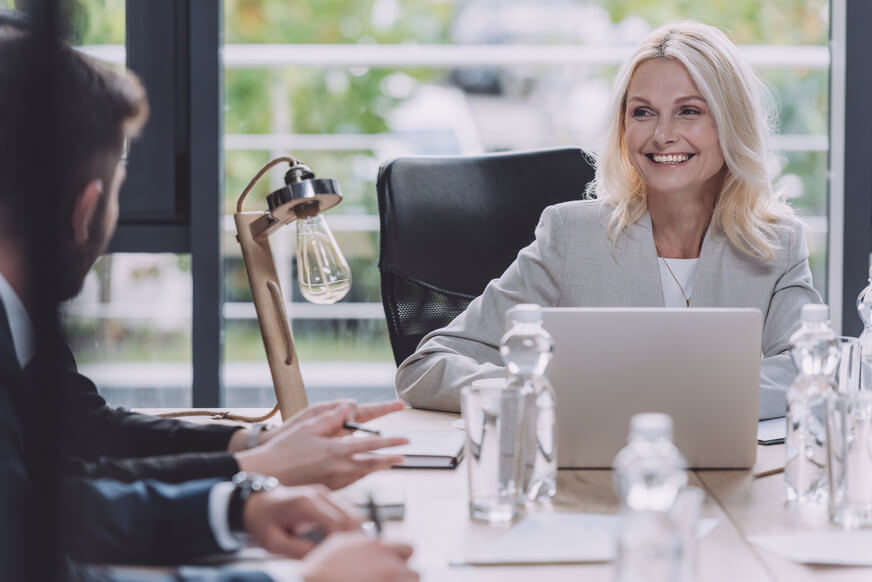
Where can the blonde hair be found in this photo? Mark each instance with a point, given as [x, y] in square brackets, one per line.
[746, 208]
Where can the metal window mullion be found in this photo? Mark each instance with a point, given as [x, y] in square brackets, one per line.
[205, 96]
[856, 153]
[150, 195]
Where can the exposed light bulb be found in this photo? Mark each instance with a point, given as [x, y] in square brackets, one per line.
[322, 270]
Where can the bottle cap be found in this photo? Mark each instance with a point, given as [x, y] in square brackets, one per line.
[524, 313]
[815, 312]
[651, 424]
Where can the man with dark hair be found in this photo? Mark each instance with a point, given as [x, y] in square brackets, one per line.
[98, 109]
[92, 111]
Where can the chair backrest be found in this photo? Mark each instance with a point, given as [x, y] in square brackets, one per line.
[450, 224]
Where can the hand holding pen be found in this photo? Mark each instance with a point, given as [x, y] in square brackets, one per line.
[374, 518]
[353, 426]
[373, 527]
[315, 451]
[354, 556]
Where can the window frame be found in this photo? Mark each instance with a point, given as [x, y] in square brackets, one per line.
[171, 201]
[850, 171]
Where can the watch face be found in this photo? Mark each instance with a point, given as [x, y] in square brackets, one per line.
[265, 484]
[255, 481]
[242, 477]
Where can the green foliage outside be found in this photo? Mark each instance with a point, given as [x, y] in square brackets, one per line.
[335, 100]
[791, 22]
[118, 341]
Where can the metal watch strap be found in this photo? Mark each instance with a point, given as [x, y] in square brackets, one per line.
[245, 485]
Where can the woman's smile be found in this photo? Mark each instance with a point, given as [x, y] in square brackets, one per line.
[669, 159]
[670, 132]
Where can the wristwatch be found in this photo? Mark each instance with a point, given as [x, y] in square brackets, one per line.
[246, 484]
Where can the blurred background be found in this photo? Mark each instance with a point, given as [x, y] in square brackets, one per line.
[346, 85]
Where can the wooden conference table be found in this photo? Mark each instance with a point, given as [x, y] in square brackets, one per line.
[437, 524]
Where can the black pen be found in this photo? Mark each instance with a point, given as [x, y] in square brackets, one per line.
[315, 535]
[348, 425]
[373, 515]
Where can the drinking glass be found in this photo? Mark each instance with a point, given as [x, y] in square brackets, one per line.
[685, 514]
[849, 455]
[848, 371]
[493, 416]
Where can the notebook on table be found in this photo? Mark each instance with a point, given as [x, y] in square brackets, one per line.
[772, 431]
[701, 366]
[429, 449]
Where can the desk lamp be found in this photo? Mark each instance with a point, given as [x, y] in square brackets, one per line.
[322, 271]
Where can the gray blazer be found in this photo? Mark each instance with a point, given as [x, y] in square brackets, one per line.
[572, 263]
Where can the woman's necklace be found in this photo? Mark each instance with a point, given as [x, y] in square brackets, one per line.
[674, 278]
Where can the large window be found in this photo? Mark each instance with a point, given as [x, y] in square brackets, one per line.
[130, 328]
[345, 86]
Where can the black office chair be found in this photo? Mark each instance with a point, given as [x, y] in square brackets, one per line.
[450, 224]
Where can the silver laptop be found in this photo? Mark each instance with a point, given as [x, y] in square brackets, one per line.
[699, 366]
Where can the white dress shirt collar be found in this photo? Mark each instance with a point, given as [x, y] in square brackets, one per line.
[19, 323]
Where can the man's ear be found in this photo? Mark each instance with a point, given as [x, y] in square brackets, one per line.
[83, 211]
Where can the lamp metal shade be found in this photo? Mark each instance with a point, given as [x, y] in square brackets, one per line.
[324, 191]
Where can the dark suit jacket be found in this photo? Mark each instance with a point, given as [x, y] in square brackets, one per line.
[77, 573]
[99, 520]
[101, 441]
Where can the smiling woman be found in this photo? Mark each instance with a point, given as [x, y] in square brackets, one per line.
[683, 205]
[687, 90]
[671, 137]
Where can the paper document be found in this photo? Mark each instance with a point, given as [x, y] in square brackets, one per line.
[772, 431]
[845, 548]
[558, 538]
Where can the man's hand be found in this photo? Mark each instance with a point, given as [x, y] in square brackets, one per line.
[311, 451]
[276, 519]
[357, 558]
[358, 413]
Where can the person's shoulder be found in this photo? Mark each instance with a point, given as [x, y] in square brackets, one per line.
[786, 234]
[788, 229]
[790, 222]
[591, 211]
